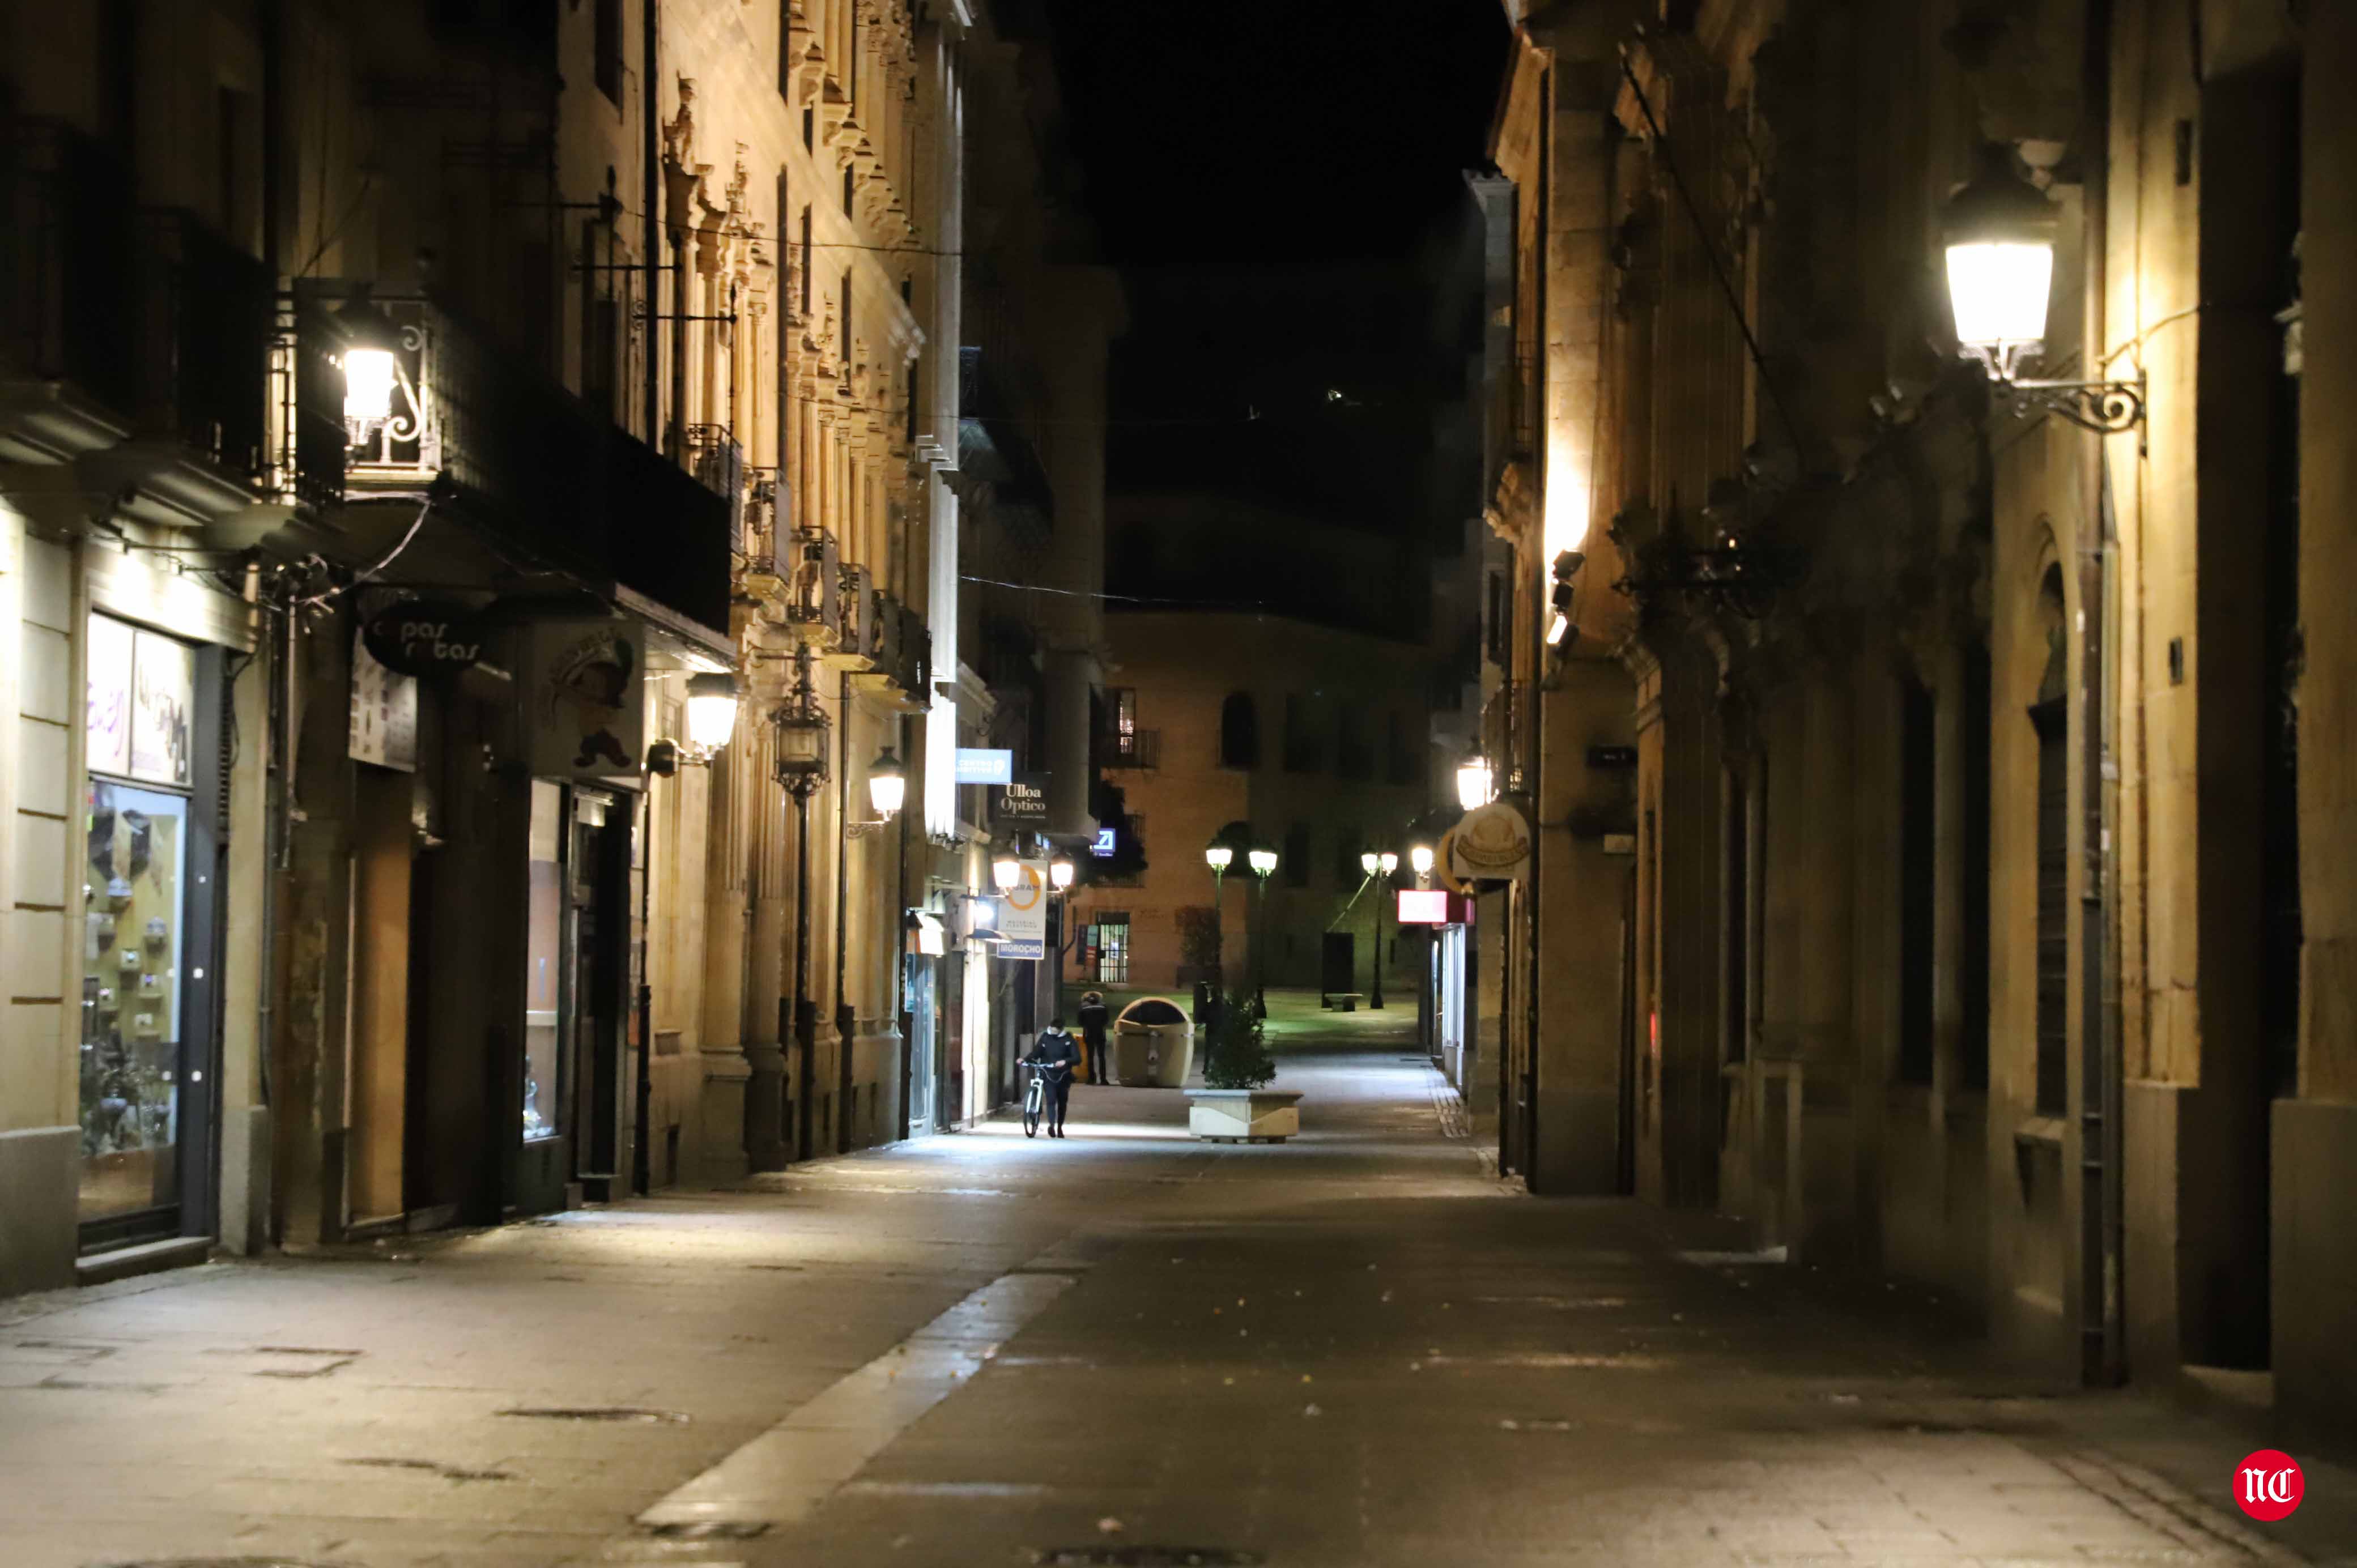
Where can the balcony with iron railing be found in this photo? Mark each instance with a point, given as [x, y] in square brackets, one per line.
[121, 324]
[717, 460]
[1138, 748]
[67, 233]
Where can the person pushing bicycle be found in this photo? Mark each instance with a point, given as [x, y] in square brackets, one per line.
[1053, 1056]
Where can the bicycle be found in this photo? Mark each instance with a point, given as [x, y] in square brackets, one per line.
[1035, 1099]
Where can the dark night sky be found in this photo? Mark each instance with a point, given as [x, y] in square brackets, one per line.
[1261, 128]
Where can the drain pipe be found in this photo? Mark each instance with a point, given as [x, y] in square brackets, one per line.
[846, 1017]
[2099, 1091]
[643, 1086]
[650, 210]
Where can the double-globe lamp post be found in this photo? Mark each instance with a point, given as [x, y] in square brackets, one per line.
[1219, 858]
[1386, 863]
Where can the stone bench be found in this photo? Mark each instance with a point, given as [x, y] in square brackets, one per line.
[1345, 1001]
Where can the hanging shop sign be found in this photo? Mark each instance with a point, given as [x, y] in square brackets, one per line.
[1021, 802]
[1434, 906]
[425, 636]
[384, 713]
[583, 702]
[928, 937]
[985, 764]
[1024, 918]
[1101, 847]
[1492, 843]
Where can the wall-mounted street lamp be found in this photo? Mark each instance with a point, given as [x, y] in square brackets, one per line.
[887, 788]
[1060, 874]
[1419, 857]
[1999, 233]
[888, 784]
[1005, 871]
[1473, 784]
[711, 712]
[371, 346]
[1565, 568]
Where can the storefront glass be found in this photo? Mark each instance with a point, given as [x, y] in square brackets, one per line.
[544, 955]
[137, 903]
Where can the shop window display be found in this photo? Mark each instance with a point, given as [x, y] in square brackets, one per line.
[135, 903]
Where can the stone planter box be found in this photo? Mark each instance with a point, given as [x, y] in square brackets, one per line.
[1244, 1115]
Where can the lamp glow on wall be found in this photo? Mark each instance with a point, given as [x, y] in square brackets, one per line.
[1473, 784]
[1998, 235]
[1564, 526]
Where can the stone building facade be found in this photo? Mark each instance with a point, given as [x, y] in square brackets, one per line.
[1311, 738]
[1967, 856]
[412, 420]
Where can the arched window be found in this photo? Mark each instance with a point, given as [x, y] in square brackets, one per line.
[1239, 732]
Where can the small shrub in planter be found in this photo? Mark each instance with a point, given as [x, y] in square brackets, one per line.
[1237, 1056]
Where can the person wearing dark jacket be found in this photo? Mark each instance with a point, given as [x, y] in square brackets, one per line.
[1093, 1033]
[1056, 1054]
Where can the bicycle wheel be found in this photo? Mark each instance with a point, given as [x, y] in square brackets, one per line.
[1034, 1101]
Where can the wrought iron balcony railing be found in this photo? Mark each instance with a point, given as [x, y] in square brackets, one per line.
[717, 461]
[68, 236]
[204, 311]
[161, 325]
[1138, 749]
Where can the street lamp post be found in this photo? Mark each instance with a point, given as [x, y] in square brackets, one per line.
[1264, 861]
[1060, 882]
[802, 730]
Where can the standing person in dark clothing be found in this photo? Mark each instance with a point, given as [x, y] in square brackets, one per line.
[1093, 1035]
[1056, 1054]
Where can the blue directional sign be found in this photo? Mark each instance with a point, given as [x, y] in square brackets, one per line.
[982, 765]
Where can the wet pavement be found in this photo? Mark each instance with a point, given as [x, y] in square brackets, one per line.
[1125, 1347]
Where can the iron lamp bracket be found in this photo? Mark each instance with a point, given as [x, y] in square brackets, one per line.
[2107, 408]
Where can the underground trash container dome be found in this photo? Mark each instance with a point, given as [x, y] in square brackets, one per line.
[1151, 1042]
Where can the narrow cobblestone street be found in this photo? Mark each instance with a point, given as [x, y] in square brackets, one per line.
[1357, 1347]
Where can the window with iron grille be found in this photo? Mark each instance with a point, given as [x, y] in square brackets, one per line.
[1110, 937]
